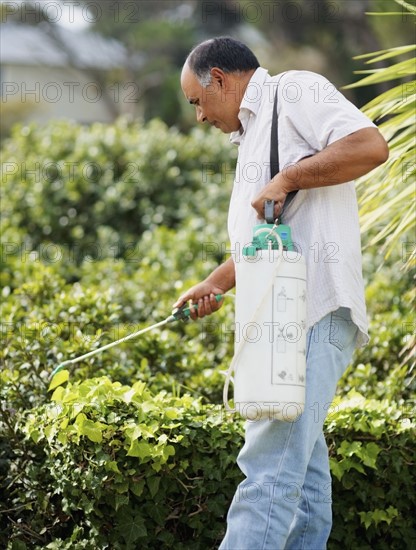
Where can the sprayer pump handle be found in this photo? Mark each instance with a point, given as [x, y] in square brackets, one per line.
[269, 211]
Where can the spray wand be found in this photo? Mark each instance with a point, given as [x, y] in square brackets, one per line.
[182, 313]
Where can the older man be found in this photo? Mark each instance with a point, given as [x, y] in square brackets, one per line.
[324, 143]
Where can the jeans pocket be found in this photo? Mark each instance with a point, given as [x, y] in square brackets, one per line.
[342, 330]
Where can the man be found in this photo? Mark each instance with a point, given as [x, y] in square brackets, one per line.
[324, 144]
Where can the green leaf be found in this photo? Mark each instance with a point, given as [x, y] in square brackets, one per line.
[58, 394]
[370, 454]
[131, 527]
[59, 379]
[168, 451]
[137, 487]
[121, 500]
[399, 70]
[112, 466]
[172, 414]
[140, 449]
[348, 448]
[153, 484]
[336, 468]
[377, 516]
[92, 430]
[387, 54]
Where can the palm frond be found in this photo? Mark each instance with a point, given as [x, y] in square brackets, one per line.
[387, 195]
[394, 72]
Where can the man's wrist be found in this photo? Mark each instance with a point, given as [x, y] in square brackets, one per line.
[223, 276]
[289, 178]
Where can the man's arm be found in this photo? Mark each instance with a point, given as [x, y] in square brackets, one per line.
[220, 281]
[344, 160]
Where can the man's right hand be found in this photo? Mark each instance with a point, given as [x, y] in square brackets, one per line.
[202, 295]
[221, 280]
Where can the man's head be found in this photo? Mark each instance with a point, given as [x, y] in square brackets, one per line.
[214, 78]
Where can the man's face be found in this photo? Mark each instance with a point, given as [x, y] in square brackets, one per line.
[212, 104]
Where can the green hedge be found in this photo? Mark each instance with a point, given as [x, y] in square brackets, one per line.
[92, 191]
[372, 459]
[46, 320]
[129, 467]
[371, 440]
[105, 465]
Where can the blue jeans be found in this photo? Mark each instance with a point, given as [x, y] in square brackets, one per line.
[285, 501]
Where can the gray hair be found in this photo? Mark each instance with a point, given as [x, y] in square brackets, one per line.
[226, 53]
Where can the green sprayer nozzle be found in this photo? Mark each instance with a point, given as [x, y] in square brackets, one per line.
[60, 367]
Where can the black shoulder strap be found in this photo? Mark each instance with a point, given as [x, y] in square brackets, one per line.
[274, 153]
[274, 147]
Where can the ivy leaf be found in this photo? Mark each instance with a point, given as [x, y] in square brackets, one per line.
[121, 500]
[112, 466]
[371, 453]
[348, 448]
[153, 484]
[131, 527]
[59, 379]
[140, 449]
[92, 430]
[137, 487]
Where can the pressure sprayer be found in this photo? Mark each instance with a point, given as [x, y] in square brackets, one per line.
[269, 362]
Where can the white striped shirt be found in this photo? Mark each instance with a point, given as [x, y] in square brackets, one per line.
[312, 114]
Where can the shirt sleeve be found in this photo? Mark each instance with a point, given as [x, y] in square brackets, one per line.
[318, 112]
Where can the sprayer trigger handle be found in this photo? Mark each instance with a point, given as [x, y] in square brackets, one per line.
[183, 313]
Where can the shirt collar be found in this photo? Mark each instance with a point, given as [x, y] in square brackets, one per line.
[250, 102]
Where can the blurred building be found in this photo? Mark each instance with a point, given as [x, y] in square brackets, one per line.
[47, 71]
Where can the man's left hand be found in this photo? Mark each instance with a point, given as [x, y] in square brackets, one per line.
[272, 191]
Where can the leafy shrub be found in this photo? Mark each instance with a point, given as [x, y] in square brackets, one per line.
[94, 190]
[114, 466]
[46, 320]
[372, 458]
[128, 468]
[380, 369]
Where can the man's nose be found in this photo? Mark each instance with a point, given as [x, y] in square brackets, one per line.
[200, 117]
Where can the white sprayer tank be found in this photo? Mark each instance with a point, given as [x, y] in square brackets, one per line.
[270, 335]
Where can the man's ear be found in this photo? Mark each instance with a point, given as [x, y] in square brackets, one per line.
[218, 75]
